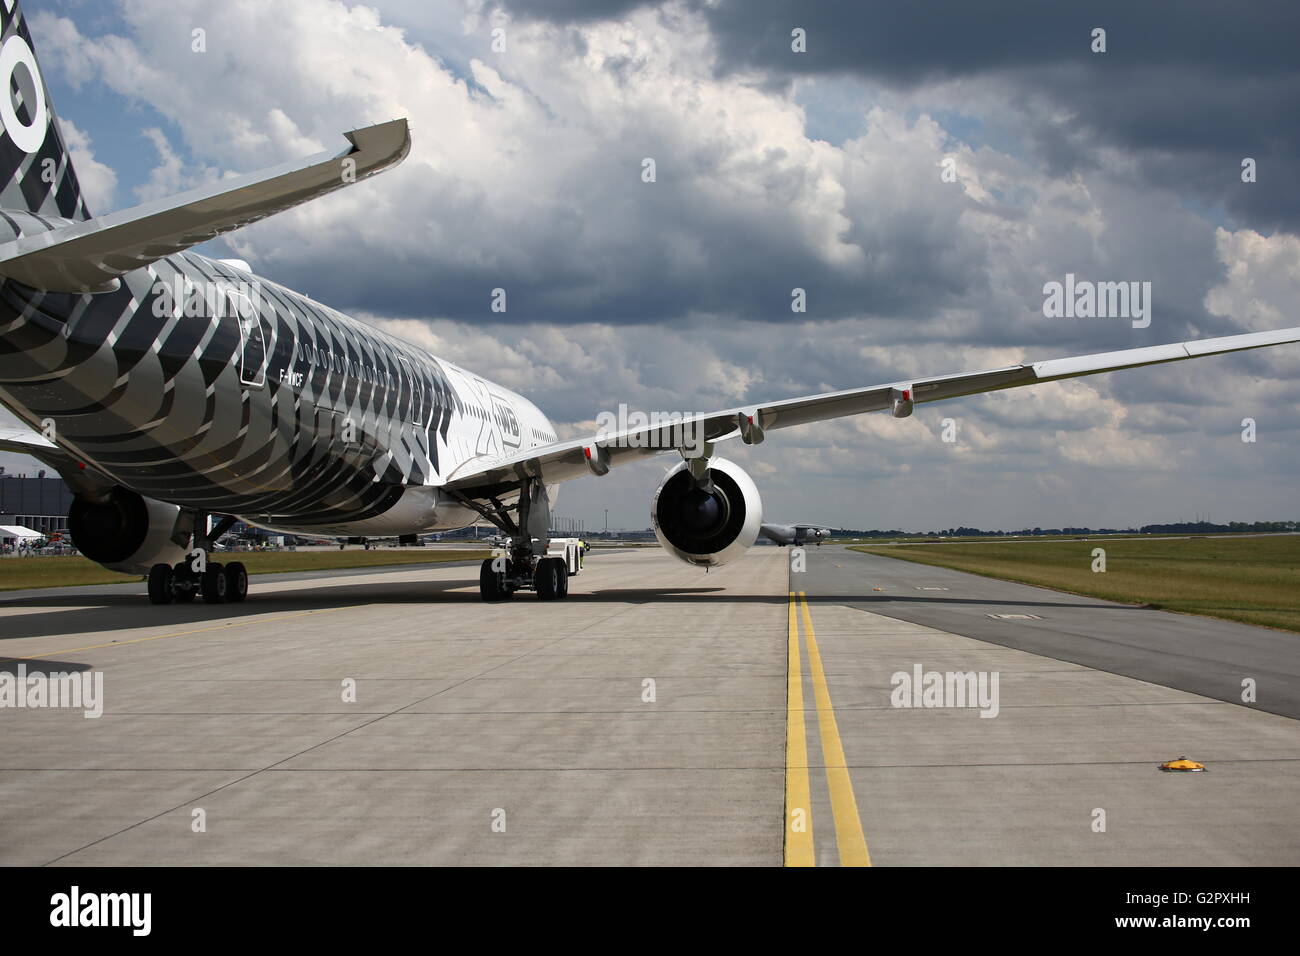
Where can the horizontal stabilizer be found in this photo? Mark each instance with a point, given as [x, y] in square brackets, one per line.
[88, 256]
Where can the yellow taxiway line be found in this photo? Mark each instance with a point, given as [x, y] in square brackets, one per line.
[849, 838]
[798, 794]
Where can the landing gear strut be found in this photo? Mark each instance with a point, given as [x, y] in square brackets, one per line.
[196, 575]
[524, 565]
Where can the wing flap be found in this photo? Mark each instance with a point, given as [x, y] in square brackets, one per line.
[563, 461]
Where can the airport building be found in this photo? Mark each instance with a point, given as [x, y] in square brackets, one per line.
[40, 503]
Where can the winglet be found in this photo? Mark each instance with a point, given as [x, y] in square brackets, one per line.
[388, 143]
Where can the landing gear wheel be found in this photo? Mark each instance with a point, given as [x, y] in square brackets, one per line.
[213, 584]
[160, 584]
[546, 579]
[562, 579]
[185, 583]
[236, 582]
[492, 584]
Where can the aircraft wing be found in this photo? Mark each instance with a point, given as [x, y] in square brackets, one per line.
[80, 479]
[87, 256]
[562, 461]
[778, 533]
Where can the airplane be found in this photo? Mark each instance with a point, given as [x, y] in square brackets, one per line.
[795, 534]
[178, 393]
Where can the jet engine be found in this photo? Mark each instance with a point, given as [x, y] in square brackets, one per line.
[125, 531]
[710, 520]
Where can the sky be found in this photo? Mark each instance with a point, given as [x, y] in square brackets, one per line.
[920, 170]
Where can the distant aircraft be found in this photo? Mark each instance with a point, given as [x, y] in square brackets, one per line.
[170, 389]
[796, 534]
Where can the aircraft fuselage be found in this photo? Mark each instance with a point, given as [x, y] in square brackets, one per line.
[200, 384]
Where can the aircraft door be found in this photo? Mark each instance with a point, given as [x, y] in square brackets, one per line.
[252, 342]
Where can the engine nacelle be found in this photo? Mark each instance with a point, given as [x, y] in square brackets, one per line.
[707, 528]
[125, 531]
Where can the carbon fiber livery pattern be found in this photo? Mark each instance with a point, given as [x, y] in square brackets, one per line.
[198, 384]
[41, 181]
[266, 404]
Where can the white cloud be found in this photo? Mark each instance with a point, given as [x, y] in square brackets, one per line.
[525, 173]
[1263, 279]
[98, 181]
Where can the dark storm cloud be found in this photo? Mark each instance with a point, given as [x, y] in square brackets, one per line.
[759, 279]
[744, 262]
[749, 204]
[1189, 89]
[575, 11]
[913, 42]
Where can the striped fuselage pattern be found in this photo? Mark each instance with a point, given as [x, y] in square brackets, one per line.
[200, 384]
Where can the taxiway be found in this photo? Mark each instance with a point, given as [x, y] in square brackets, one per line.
[390, 717]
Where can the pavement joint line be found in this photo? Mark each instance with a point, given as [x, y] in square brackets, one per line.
[1098, 668]
[405, 766]
[1151, 762]
[410, 680]
[430, 713]
[201, 630]
[1138, 703]
[849, 838]
[273, 766]
[798, 842]
[549, 644]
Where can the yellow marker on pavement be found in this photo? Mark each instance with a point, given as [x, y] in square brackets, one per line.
[798, 796]
[844, 806]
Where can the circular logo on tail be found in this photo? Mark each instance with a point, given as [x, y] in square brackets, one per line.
[18, 63]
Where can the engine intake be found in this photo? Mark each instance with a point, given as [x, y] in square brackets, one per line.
[125, 531]
[707, 523]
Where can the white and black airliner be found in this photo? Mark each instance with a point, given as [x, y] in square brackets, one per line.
[177, 393]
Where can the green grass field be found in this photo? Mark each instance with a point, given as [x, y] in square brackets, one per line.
[50, 572]
[963, 539]
[1251, 579]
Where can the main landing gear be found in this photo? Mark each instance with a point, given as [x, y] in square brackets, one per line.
[181, 583]
[218, 583]
[499, 578]
[524, 565]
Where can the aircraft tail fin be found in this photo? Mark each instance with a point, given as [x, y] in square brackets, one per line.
[36, 173]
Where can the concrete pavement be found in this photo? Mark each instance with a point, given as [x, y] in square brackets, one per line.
[645, 720]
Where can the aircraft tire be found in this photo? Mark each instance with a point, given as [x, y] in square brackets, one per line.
[236, 582]
[160, 584]
[492, 583]
[213, 584]
[546, 579]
